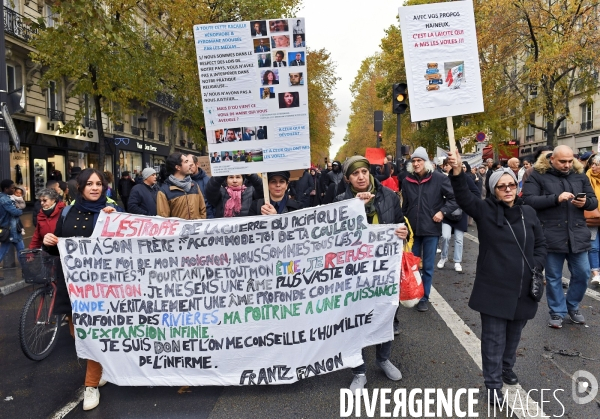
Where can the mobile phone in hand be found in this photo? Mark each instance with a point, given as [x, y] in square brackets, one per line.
[580, 195]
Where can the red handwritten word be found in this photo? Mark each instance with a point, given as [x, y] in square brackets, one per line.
[363, 252]
[139, 227]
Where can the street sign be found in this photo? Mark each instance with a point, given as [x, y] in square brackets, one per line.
[480, 137]
[11, 126]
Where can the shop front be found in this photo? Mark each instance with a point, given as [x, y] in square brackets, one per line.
[133, 155]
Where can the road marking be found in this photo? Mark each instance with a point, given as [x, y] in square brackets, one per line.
[66, 409]
[589, 292]
[472, 345]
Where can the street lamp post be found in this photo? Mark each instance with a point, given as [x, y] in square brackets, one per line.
[142, 120]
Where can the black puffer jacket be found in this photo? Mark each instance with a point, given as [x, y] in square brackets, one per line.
[217, 195]
[423, 198]
[502, 278]
[290, 205]
[563, 223]
[303, 187]
[387, 204]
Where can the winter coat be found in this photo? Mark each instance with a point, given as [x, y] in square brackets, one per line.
[462, 224]
[423, 197]
[125, 187]
[45, 225]
[172, 201]
[386, 203]
[201, 179]
[290, 205]
[334, 177]
[217, 195]
[502, 277]
[9, 216]
[142, 200]
[303, 187]
[563, 223]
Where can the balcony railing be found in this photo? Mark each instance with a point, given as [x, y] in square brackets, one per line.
[161, 138]
[17, 26]
[55, 115]
[90, 123]
[150, 135]
[562, 131]
[587, 125]
[135, 130]
[118, 127]
[167, 101]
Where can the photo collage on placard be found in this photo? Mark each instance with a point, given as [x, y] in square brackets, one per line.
[280, 51]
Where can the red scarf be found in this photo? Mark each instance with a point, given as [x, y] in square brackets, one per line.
[233, 206]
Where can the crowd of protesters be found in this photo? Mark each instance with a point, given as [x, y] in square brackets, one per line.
[521, 211]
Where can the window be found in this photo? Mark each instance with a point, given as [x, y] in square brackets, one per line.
[13, 77]
[50, 17]
[89, 112]
[12, 5]
[587, 116]
[514, 133]
[562, 128]
[53, 97]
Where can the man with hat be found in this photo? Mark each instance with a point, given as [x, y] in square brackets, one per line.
[427, 197]
[142, 199]
[280, 202]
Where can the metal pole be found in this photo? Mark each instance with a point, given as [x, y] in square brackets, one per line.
[4, 140]
[398, 141]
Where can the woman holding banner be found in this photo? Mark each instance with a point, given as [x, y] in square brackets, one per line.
[280, 203]
[232, 196]
[382, 207]
[79, 220]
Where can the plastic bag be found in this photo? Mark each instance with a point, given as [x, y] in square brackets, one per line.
[411, 285]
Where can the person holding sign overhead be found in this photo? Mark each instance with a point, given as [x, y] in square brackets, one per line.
[232, 196]
[79, 220]
[382, 207]
[280, 201]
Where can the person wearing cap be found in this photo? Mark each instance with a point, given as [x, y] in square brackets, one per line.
[559, 191]
[142, 199]
[124, 188]
[335, 175]
[427, 198]
[280, 203]
[232, 196]
[382, 207]
[501, 291]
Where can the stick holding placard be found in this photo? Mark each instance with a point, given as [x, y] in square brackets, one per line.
[451, 134]
[265, 180]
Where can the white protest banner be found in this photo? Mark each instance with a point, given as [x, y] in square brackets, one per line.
[441, 59]
[254, 93]
[232, 301]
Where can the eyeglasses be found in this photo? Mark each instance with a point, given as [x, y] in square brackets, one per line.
[503, 188]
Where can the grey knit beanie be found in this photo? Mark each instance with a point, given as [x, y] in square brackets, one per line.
[495, 177]
[420, 153]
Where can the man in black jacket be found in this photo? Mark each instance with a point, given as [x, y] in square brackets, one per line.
[559, 191]
[124, 188]
[142, 199]
[427, 197]
[303, 187]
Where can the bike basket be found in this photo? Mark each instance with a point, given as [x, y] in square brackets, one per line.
[39, 267]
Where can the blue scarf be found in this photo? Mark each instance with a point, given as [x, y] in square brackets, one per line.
[280, 206]
[81, 204]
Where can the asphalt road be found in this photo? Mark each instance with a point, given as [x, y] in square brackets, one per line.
[428, 353]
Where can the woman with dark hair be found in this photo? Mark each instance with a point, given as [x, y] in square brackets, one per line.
[269, 78]
[232, 196]
[280, 202]
[382, 207]
[514, 242]
[289, 100]
[79, 220]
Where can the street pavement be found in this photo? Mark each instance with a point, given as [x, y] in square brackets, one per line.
[434, 350]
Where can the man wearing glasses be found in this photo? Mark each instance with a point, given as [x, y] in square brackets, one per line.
[142, 199]
[559, 191]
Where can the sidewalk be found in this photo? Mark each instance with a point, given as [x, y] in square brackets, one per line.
[13, 280]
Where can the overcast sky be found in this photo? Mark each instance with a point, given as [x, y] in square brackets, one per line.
[351, 32]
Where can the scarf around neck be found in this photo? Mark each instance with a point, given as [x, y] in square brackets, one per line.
[48, 212]
[233, 206]
[185, 183]
[594, 180]
[81, 204]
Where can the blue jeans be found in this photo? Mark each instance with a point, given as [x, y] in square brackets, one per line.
[458, 242]
[6, 246]
[593, 253]
[579, 266]
[425, 247]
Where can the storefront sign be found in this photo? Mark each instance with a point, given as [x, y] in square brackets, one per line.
[45, 126]
[232, 301]
[126, 143]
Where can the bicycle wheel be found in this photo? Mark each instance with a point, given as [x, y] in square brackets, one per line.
[38, 333]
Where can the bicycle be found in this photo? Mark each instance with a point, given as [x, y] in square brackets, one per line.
[38, 326]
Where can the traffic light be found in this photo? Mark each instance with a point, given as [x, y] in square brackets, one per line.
[378, 139]
[400, 97]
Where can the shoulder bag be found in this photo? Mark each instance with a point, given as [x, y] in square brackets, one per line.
[4, 234]
[592, 218]
[538, 281]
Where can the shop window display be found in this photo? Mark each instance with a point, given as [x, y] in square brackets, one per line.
[39, 174]
[19, 169]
